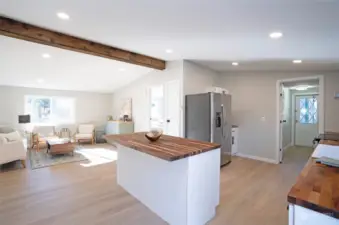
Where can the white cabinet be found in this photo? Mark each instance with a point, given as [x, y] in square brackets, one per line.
[235, 133]
[119, 127]
[301, 216]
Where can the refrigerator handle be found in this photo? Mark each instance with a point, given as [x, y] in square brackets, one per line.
[222, 120]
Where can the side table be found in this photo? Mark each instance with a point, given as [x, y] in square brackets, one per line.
[99, 136]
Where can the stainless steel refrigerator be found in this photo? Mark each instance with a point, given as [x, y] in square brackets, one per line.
[208, 118]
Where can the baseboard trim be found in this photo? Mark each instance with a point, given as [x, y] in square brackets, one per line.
[257, 158]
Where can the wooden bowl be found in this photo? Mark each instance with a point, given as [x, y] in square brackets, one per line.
[153, 135]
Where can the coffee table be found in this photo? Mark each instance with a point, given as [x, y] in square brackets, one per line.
[57, 146]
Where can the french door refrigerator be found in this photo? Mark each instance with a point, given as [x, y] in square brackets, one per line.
[208, 118]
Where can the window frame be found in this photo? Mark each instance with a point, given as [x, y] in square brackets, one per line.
[52, 100]
[316, 114]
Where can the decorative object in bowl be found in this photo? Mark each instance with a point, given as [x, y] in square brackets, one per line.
[153, 135]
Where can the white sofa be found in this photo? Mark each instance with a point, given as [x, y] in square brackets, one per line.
[12, 148]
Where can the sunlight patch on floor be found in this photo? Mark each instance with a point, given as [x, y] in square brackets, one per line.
[98, 156]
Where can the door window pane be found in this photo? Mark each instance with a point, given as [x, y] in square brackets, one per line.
[308, 110]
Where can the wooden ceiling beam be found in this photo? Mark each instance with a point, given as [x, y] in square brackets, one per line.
[27, 32]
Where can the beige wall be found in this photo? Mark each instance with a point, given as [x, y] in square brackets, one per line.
[197, 78]
[254, 107]
[193, 77]
[89, 107]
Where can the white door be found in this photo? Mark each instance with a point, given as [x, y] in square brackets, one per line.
[165, 108]
[172, 108]
[306, 119]
[281, 118]
[157, 103]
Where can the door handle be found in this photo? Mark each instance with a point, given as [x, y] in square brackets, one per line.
[168, 121]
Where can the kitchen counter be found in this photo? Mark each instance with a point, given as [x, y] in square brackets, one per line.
[167, 147]
[177, 178]
[317, 188]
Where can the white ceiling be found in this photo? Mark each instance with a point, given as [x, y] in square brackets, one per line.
[22, 65]
[211, 32]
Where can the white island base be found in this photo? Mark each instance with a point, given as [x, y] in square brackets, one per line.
[302, 216]
[181, 192]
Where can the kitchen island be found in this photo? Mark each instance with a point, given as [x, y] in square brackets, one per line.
[176, 178]
[314, 199]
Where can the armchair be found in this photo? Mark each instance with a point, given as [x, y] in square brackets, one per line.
[40, 134]
[85, 132]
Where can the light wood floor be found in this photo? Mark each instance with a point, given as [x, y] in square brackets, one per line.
[252, 192]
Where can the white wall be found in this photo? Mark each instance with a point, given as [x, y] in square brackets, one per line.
[90, 107]
[254, 107]
[137, 90]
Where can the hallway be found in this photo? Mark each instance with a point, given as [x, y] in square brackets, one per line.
[297, 155]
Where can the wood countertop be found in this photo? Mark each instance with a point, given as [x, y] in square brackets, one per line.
[317, 187]
[167, 147]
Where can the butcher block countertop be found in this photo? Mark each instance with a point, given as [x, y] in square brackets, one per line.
[317, 187]
[167, 147]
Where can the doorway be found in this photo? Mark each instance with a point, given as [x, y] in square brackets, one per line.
[164, 107]
[300, 112]
[157, 103]
[305, 108]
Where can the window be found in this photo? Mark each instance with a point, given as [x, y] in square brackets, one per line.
[50, 110]
[308, 110]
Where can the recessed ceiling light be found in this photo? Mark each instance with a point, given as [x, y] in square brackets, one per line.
[63, 16]
[122, 69]
[169, 51]
[40, 80]
[276, 35]
[235, 63]
[297, 61]
[46, 55]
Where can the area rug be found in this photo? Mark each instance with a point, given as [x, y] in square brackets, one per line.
[43, 159]
[92, 155]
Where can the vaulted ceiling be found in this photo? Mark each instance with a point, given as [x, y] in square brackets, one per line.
[213, 32]
[22, 64]
[204, 29]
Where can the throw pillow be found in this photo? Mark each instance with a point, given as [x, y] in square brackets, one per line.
[14, 136]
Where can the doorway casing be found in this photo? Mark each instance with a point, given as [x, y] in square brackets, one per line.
[321, 109]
